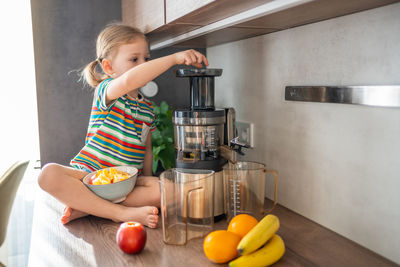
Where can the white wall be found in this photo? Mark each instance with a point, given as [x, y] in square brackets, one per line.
[19, 126]
[339, 164]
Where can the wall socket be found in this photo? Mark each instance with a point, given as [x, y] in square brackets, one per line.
[245, 131]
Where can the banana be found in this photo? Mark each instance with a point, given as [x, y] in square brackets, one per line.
[259, 235]
[270, 253]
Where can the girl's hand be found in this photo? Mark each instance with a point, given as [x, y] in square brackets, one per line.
[191, 57]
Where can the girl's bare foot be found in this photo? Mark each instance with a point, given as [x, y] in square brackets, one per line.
[146, 215]
[70, 214]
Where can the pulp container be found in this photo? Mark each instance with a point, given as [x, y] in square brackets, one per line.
[187, 204]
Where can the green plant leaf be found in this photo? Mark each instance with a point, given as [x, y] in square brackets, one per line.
[169, 114]
[163, 137]
[156, 138]
[167, 159]
[164, 107]
[155, 165]
[156, 109]
[158, 149]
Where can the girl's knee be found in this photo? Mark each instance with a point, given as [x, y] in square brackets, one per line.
[46, 176]
[153, 188]
[156, 195]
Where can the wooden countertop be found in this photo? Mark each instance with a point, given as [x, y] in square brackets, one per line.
[90, 241]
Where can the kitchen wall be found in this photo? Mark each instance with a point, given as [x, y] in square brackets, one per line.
[338, 164]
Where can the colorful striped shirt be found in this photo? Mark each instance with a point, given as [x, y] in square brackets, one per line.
[117, 132]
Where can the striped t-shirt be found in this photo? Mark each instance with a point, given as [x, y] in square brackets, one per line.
[117, 132]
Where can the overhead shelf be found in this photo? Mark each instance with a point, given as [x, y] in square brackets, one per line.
[266, 18]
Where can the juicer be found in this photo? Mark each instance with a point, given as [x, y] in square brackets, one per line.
[205, 136]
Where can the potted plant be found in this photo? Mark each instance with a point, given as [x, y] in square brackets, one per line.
[163, 139]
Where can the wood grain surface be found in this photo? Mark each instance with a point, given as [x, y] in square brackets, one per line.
[90, 241]
[145, 15]
[175, 9]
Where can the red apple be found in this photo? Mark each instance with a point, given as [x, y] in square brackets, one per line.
[131, 237]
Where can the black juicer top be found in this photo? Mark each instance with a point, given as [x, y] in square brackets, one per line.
[201, 87]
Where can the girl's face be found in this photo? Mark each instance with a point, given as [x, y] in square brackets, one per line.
[130, 55]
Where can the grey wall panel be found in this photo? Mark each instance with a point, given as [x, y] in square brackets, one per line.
[64, 34]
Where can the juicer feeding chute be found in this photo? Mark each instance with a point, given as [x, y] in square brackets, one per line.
[201, 86]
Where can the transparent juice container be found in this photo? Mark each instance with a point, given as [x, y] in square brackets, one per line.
[244, 184]
[187, 204]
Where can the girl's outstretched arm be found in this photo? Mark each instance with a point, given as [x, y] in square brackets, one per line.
[140, 75]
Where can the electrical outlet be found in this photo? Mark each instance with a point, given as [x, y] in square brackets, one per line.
[245, 131]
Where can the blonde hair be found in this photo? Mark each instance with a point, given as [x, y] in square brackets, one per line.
[107, 43]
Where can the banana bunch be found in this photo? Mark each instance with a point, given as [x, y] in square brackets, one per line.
[260, 246]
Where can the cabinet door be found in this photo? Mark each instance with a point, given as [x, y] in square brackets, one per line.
[146, 15]
[175, 9]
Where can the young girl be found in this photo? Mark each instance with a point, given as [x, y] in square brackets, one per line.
[119, 131]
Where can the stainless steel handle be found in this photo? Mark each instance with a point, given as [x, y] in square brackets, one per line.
[370, 95]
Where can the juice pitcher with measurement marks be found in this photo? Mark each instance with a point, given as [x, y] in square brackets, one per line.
[244, 184]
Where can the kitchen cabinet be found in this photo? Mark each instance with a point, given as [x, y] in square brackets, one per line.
[175, 9]
[212, 22]
[181, 16]
[145, 15]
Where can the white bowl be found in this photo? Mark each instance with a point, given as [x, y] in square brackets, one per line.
[115, 192]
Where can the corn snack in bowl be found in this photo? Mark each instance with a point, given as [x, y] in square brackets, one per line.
[113, 183]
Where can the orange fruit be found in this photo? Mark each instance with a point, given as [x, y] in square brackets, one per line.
[241, 224]
[220, 246]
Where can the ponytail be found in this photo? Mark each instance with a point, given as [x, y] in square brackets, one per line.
[91, 75]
